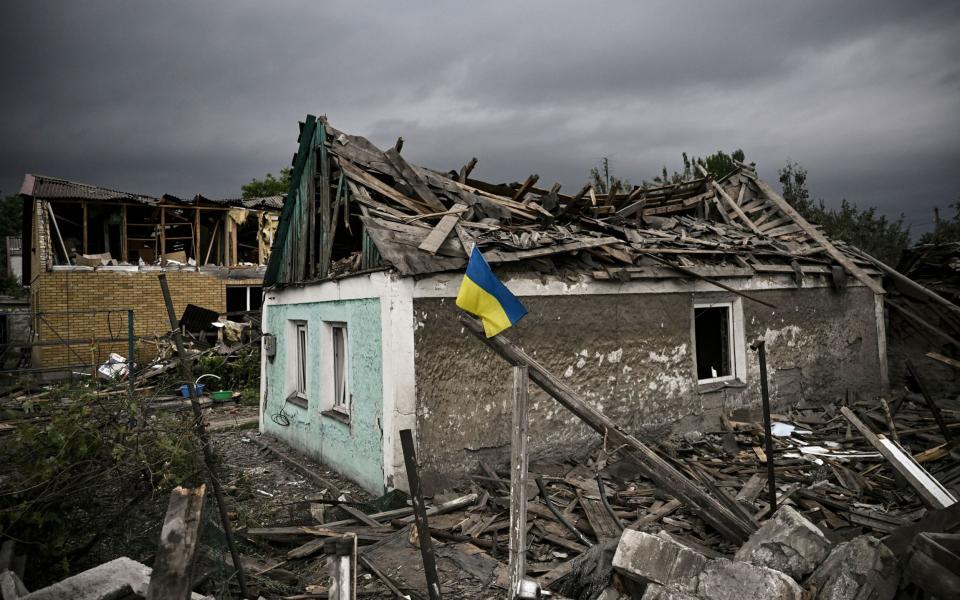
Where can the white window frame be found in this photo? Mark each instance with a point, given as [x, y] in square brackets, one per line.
[248, 289]
[300, 359]
[737, 349]
[339, 395]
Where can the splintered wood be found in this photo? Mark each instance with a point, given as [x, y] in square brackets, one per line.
[713, 228]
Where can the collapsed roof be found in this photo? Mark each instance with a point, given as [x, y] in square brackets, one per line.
[54, 188]
[352, 207]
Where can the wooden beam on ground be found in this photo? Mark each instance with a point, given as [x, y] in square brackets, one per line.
[173, 565]
[816, 235]
[652, 465]
[944, 359]
[518, 482]
[419, 186]
[928, 488]
[443, 229]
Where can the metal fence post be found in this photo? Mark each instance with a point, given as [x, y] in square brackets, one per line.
[131, 378]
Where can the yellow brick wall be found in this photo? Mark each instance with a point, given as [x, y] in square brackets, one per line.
[56, 291]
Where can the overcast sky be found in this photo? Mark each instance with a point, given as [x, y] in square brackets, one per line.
[188, 97]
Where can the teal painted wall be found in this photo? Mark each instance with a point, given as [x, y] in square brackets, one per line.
[354, 449]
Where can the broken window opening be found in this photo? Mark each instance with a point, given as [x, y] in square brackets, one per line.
[341, 391]
[713, 330]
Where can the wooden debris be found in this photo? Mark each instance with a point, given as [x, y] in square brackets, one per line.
[172, 567]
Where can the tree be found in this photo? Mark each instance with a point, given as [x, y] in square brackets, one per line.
[876, 235]
[603, 180]
[268, 186]
[11, 222]
[944, 230]
[718, 165]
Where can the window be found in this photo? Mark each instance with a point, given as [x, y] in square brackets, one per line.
[341, 388]
[242, 299]
[718, 338]
[300, 361]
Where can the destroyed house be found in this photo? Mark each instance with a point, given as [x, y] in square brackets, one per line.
[91, 250]
[646, 301]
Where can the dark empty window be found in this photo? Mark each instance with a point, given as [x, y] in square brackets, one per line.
[712, 326]
[243, 298]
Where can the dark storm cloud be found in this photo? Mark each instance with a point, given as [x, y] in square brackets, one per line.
[200, 96]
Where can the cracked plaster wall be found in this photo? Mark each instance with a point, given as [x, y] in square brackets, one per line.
[631, 356]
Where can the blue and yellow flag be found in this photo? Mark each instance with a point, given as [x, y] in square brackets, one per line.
[483, 295]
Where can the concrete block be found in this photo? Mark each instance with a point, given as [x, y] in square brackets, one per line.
[612, 593]
[648, 558]
[787, 542]
[102, 581]
[11, 588]
[659, 592]
[861, 569]
[724, 579]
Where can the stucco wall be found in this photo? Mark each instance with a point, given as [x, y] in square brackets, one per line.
[354, 449]
[631, 355]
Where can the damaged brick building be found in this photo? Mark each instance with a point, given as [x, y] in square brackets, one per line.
[647, 300]
[89, 248]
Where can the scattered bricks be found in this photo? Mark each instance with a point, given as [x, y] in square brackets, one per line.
[724, 579]
[787, 542]
[648, 558]
[863, 568]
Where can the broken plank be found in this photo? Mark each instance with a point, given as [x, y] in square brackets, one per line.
[817, 236]
[730, 202]
[360, 515]
[929, 489]
[363, 178]
[173, 564]
[603, 525]
[944, 359]
[499, 256]
[442, 230]
[419, 186]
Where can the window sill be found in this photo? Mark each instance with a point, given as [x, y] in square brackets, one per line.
[713, 386]
[336, 415]
[298, 401]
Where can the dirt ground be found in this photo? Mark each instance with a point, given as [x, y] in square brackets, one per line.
[262, 490]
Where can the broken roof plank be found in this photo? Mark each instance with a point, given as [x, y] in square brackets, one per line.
[731, 202]
[399, 244]
[362, 177]
[412, 178]
[818, 236]
[443, 229]
[499, 256]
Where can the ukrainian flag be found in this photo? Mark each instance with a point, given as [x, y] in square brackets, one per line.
[483, 295]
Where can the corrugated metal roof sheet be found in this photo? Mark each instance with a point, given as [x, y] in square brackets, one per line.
[53, 188]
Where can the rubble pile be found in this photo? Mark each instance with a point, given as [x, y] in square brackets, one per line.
[846, 525]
